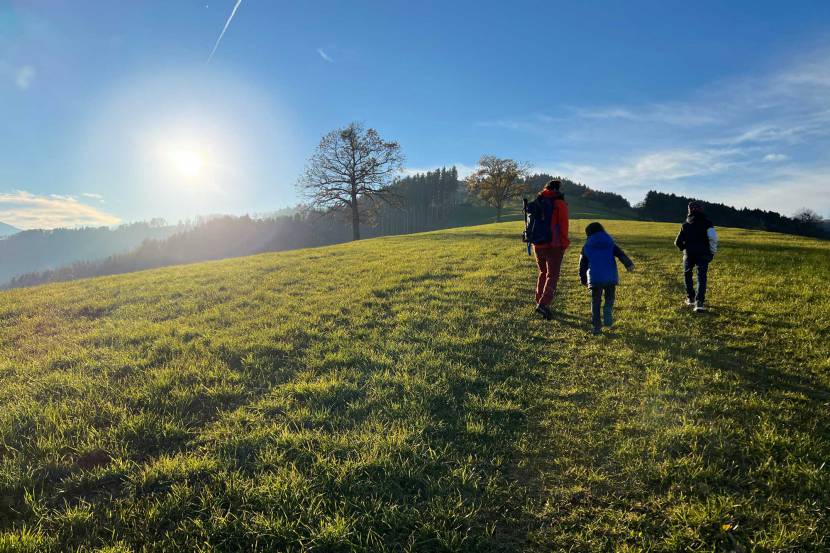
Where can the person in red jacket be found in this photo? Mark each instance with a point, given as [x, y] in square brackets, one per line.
[549, 255]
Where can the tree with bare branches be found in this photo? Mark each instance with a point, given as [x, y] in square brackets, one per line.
[497, 181]
[351, 170]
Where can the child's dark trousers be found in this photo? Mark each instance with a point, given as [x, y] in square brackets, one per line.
[596, 305]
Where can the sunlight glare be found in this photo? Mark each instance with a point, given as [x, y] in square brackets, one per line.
[188, 163]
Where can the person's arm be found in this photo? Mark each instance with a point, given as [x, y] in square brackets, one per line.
[619, 254]
[563, 224]
[583, 268]
[680, 241]
[713, 240]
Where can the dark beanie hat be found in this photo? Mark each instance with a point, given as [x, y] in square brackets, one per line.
[695, 206]
[593, 228]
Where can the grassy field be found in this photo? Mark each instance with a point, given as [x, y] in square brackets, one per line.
[398, 395]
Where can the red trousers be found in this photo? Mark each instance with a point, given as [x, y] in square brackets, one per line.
[549, 261]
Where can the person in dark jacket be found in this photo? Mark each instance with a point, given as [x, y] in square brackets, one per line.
[698, 240]
[598, 271]
[549, 255]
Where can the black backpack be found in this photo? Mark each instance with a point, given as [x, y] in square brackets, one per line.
[538, 214]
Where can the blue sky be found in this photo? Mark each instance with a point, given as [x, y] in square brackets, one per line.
[111, 113]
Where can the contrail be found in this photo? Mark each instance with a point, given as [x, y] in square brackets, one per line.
[227, 23]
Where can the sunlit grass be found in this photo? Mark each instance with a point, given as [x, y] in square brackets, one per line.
[396, 394]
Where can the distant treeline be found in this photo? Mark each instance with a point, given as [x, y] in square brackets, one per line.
[423, 202]
[213, 238]
[35, 250]
[428, 201]
[659, 206]
[576, 193]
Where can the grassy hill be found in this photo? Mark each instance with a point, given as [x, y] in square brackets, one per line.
[397, 395]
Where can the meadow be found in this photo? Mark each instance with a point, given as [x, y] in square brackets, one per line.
[398, 394]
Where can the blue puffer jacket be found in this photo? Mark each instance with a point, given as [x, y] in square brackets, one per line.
[598, 264]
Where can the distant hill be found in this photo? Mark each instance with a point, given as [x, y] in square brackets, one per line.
[429, 201]
[40, 250]
[7, 230]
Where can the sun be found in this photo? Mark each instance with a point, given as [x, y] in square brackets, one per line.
[187, 162]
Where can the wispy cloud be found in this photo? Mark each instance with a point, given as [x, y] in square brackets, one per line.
[785, 190]
[677, 114]
[721, 142]
[28, 211]
[93, 196]
[24, 77]
[225, 28]
[659, 167]
[324, 55]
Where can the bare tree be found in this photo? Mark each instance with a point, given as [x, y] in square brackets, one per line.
[351, 169]
[807, 216]
[497, 181]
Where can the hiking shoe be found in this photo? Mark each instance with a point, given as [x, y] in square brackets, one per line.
[690, 303]
[700, 308]
[596, 331]
[544, 311]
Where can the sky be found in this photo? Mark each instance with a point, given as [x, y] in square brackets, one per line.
[122, 111]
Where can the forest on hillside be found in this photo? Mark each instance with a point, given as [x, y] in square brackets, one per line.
[422, 202]
[659, 206]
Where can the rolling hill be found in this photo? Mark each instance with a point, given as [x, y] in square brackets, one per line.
[396, 394]
[7, 230]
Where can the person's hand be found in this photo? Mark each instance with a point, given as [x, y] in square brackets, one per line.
[630, 268]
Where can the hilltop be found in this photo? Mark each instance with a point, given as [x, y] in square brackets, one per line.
[396, 394]
[7, 230]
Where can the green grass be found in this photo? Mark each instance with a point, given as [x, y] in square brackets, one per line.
[397, 395]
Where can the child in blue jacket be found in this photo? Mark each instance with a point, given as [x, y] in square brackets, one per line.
[598, 271]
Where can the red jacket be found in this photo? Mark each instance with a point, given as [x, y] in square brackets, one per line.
[558, 222]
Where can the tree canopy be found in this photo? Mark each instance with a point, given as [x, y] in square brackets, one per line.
[497, 181]
[351, 171]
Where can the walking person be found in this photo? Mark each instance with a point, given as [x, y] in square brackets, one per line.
[549, 254]
[598, 271]
[698, 240]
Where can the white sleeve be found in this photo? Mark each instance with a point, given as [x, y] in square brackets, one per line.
[713, 240]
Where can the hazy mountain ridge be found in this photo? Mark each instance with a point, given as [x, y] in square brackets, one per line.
[7, 230]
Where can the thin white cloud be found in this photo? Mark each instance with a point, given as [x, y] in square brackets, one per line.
[28, 211]
[24, 76]
[721, 143]
[656, 167]
[677, 114]
[93, 196]
[225, 28]
[324, 55]
[785, 190]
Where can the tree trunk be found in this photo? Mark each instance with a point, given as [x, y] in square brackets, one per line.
[498, 213]
[355, 222]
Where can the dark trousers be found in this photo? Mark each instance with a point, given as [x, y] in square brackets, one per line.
[549, 261]
[607, 309]
[689, 264]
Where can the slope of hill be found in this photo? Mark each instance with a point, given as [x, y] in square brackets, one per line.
[396, 394]
[39, 250]
[7, 230]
